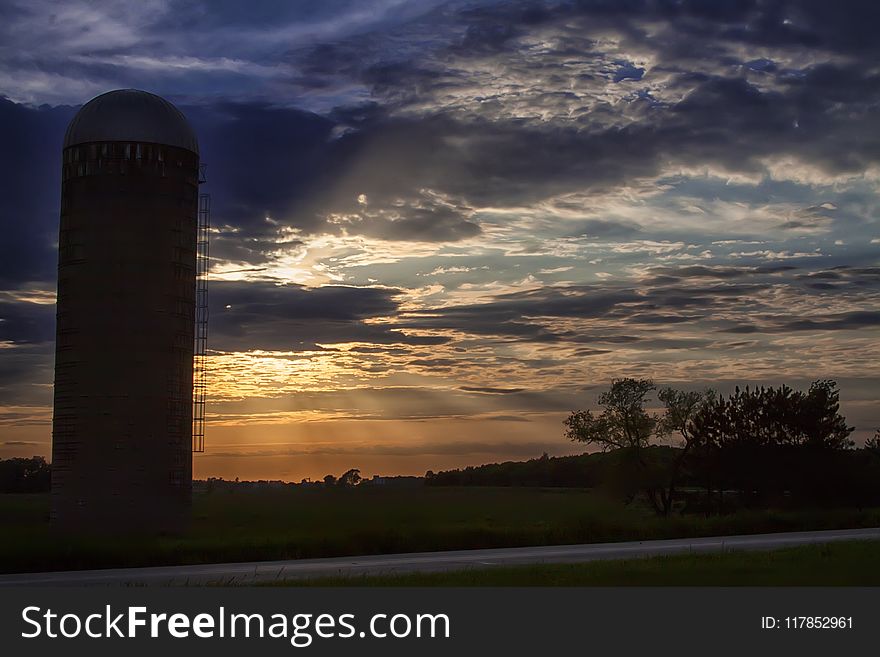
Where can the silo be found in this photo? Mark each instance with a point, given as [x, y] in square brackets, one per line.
[122, 426]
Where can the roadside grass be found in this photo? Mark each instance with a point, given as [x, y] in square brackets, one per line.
[855, 563]
[266, 524]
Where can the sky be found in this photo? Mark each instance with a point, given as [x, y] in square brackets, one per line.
[440, 226]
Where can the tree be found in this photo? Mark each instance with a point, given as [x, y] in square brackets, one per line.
[624, 422]
[349, 478]
[23, 475]
[680, 417]
[624, 425]
[820, 422]
[771, 442]
[329, 480]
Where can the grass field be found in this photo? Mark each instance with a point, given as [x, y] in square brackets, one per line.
[837, 564]
[245, 525]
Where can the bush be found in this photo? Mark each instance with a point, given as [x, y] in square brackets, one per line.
[21, 475]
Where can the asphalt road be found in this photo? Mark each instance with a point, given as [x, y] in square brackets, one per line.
[267, 571]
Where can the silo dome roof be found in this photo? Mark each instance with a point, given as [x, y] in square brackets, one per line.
[131, 115]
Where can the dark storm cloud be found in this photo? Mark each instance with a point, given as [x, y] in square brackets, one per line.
[723, 122]
[27, 346]
[262, 160]
[599, 228]
[292, 167]
[25, 372]
[428, 223]
[512, 315]
[674, 274]
[824, 114]
[709, 296]
[414, 161]
[812, 23]
[520, 314]
[291, 317]
[733, 123]
[728, 123]
[573, 301]
[27, 323]
[657, 318]
[587, 351]
[843, 27]
[841, 279]
[307, 171]
[506, 163]
[30, 180]
[298, 167]
[848, 321]
[836, 322]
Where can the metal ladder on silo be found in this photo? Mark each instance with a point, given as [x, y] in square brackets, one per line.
[200, 351]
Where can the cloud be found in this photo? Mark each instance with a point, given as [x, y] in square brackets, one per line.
[378, 402]
[30, 198]
[491, 391]
[600, 228]
[510, 449]
[426, 165]
[291, 166]
[675, 274]
[26, 323]
[666, 298]
[424, 219]
[249, 316]
[835, 322]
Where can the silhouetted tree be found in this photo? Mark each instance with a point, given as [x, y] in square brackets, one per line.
[329, 480]
[820, 422]
[349, 478]
[681, 411]
[583, 470]
[24, 475]
[624, 424]
[765, 442]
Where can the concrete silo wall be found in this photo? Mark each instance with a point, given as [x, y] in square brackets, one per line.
[121, 454]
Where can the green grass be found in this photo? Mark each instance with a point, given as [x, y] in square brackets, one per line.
[835, 564]
[246, 525]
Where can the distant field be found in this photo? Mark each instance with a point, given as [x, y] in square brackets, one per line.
[251, 525]
[836, 564]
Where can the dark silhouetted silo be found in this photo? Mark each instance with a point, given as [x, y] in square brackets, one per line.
[122, 429]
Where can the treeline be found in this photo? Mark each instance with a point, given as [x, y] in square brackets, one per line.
[23, 475]
[758, 447]
[771, 443]
[582, 471]
[767, 445]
